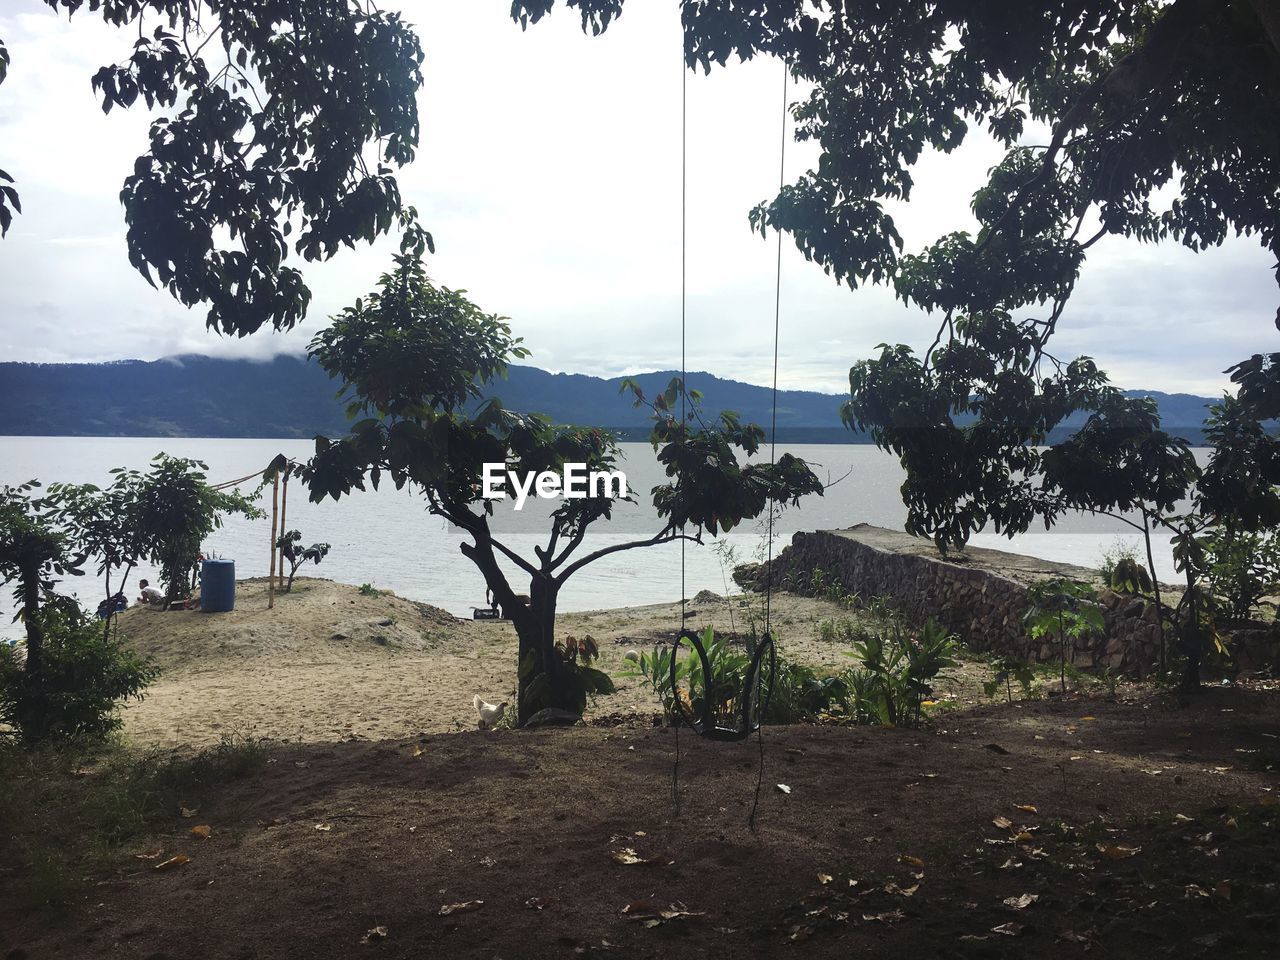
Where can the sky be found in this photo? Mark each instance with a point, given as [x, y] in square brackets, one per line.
[549, 174]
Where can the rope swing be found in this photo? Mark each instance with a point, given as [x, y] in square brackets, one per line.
[753, 701]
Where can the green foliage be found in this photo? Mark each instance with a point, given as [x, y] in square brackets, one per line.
[273, 127]
[897, 673]
[1008, 669]
[798, 694]
[1242, 568]
[1128, 576]
[723, 687]
[578, 680]
[411, 356]
[161, 516]
[84, 676]
[369, 590]
[1119, 554]
[1117, 85]
[1065, 611]
[290, 547]
[411, 346]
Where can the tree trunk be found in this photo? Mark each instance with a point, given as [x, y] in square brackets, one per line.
[33, 718]
[1193, 640]
[534, 621]
[1155, 589]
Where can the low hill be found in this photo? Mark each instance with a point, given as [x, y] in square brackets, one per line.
[289, 397]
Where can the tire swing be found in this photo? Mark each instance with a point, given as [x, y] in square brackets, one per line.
[751, 704]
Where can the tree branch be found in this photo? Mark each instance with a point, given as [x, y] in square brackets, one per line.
[663, 537]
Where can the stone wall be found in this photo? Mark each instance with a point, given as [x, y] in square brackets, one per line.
[981, 597]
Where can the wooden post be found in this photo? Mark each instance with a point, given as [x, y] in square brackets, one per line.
[271, 576]
[284, 507]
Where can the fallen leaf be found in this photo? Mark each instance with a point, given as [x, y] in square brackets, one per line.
[1023, 836]
[150, 854]
[1010, 864]
[1022, 902]
[202, 831]
[893, 888]
[1182, 818]
[1004, 823]
[188, 813]
[1025, 808]
[911, 861]
[182, 858]
[1116, 852]
[825, 878]
[652, 914]
[627, 856]
[417, 751]
[889, 916]
[324, 827]
[783, 788]
[374, 935]
[539, 903]
[1010, 929]
[465, 906]
[1086, 719]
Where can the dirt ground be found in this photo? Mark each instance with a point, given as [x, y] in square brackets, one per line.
[1052, 828]
[377, 822]
[328, 662]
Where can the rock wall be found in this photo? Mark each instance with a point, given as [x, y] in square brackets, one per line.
[981, 598]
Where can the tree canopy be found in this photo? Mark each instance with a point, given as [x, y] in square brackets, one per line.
[279, 116]
[1149, 120]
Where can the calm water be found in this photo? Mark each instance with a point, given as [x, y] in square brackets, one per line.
[386, 538]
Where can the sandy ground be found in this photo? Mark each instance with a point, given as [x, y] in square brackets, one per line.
[328, 662]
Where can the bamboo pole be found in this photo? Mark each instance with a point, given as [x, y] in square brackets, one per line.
[271, 575]
[284, 507]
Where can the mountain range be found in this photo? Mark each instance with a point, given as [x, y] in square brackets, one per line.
[290, 397]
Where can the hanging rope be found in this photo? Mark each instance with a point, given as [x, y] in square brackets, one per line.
[756, 693]
[684, 218]
[773, 449]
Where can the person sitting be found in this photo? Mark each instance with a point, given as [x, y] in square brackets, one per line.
[150, 595]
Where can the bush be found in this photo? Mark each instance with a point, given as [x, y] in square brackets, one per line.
[1242, 569]
[1113, 556]
[86, 674]
[897, 673]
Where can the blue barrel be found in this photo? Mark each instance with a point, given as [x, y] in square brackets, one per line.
[217, 586]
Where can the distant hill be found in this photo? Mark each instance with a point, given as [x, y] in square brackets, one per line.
[289, 397]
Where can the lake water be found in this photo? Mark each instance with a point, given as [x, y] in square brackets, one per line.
[387, 539]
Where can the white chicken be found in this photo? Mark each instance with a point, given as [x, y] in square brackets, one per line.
[489, 713]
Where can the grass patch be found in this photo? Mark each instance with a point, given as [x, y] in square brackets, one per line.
[67, 813]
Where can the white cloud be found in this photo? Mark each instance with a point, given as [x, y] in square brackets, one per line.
[549, 172]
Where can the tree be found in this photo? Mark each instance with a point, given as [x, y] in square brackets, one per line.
[412, 355]
[290, 547]
[106, 524]
[1138, 100]
[1119, 463]
[32, 554]
[178, 511]
[278, 115]
[1063, 610]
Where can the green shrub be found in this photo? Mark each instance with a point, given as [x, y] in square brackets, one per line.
[86, 675]
[897, 673]
[1009, 668]
[1242, 569]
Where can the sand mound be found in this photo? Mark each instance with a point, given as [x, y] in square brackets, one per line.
[318, 617]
